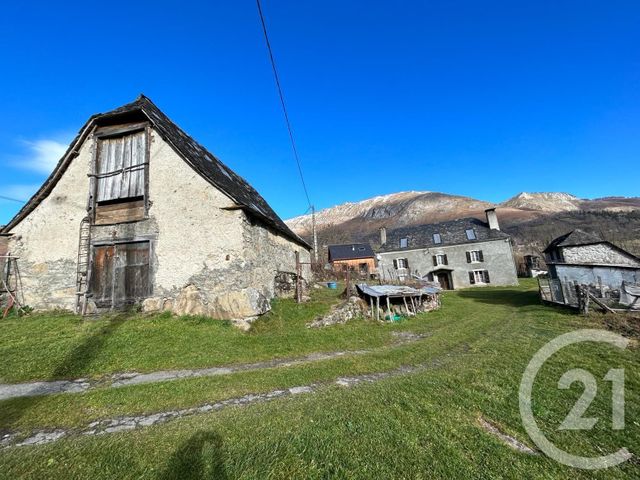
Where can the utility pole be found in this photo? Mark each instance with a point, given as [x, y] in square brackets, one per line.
[315, 235]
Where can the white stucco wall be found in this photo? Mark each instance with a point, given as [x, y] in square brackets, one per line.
[609, 277]
[46, 241]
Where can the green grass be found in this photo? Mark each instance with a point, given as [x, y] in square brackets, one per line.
[64, 346]
[422, 425]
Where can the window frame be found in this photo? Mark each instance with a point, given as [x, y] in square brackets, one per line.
[472, 232]
[115, 131]
[478, 254]
[483, 274]
[441, 259]
[405, 241]
[439, 241]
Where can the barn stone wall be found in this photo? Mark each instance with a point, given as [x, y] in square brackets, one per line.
[598, 253]
[206, 257]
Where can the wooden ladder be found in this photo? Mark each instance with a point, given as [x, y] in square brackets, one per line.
[82, 272]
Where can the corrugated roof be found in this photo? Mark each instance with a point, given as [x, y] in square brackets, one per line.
[451, 233]
[350, 251]
[198, 157]
[395, 290]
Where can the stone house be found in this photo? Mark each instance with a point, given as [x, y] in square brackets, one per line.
[137, 212]
[581, 258]
[358, 257]
[456, 254]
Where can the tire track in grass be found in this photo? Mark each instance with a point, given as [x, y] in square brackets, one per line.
[125, 423]
[33, 389]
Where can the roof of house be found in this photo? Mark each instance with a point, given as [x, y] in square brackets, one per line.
[350, 251]
[577, 237]
[574, 238]
[198, 158]
[451, 233]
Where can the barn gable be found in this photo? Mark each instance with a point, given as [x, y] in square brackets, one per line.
[196, 156]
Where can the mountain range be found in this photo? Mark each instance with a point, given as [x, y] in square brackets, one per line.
[533, 219]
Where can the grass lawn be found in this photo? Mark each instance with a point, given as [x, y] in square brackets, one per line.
[420, 425]
[64, 346]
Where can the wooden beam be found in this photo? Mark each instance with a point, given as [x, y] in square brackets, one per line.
[602, 305]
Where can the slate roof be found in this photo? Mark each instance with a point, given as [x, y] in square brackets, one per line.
[579, 237]
[573, 238]
[351, 251]
[198, 157]
[451, 233]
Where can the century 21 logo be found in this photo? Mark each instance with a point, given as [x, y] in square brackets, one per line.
[575, 419]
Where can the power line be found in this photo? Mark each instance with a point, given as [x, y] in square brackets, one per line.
[284, 107]
[12, 199]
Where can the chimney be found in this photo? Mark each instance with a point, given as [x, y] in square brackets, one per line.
[383, 235]
[492, 218]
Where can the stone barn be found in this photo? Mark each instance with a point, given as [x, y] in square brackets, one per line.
[581, 258]
[138, 213]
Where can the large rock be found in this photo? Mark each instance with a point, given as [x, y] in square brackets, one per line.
[352, 308]
[190, 302]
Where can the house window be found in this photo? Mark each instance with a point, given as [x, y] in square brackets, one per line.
[471, 234]
[437, 238]
[440, 259]
[475, 256]
[404, 242]
[401, 264]
[478, 276]
[120, 178]
[364, 268]
[120, 274]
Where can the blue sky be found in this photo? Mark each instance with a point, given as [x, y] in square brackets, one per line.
[484, 99]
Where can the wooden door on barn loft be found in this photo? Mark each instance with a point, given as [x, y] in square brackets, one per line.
[120, 274]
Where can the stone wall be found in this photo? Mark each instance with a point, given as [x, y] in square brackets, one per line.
[209, 259]
[206, 257]
[598, 253]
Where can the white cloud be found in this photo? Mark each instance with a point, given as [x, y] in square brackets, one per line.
[43, 155]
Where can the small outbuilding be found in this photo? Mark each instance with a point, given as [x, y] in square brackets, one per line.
[358, 257]
[398, 299]
[581, 258]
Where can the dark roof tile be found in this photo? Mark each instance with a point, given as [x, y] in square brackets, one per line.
[451, 233]
[350, 251]
[573, 238]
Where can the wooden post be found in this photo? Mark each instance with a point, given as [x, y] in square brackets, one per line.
[389, 309]
[298, 278]
[371, 304]
[348, 281]
[378, 308]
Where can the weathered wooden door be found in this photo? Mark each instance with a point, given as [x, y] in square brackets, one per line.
[444, 278]
[120, 274]
[101, 284]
